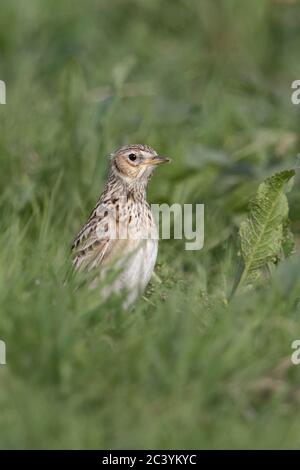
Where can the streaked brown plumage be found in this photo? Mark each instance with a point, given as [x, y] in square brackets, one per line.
[121, 231]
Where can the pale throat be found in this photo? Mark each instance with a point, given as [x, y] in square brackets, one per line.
[122, 184]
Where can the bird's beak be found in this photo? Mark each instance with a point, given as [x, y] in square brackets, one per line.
[157, 160]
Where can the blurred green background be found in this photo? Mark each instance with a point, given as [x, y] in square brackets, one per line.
[209, 84]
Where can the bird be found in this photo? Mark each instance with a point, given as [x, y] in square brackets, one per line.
[121, 232]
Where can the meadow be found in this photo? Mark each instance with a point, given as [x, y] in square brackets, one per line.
[191, 366]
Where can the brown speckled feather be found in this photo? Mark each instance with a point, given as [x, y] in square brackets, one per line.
[123, 207]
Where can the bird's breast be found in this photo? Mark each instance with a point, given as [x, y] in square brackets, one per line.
[140, 250]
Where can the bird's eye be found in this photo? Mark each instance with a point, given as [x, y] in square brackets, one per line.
[132, 157]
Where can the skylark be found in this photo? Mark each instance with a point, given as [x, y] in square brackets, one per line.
[121, 231]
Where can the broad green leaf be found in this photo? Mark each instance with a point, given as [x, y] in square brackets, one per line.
[263, 233]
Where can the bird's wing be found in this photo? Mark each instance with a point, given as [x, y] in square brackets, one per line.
[95, 241]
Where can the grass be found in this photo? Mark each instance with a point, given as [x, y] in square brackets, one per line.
[207, 83]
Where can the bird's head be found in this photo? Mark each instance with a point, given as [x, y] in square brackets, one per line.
[135, 162]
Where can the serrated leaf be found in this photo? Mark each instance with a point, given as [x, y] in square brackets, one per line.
[263, 233]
